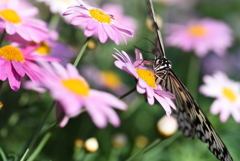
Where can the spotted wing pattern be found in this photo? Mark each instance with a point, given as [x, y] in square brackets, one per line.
[191, 119]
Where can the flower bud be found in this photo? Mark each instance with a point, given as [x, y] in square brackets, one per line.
[119, 140]
[91, 145]
[141, 141]
[167, 126]
[149, 23]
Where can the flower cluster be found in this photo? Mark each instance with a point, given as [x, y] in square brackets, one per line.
[31, 46]
[29, 41]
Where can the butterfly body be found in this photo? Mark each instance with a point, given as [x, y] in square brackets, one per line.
[191, 119]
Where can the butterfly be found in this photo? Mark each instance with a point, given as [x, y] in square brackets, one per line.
[191, 119]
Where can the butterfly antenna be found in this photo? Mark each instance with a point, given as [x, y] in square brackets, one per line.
[159, 35]
[145, 50]
[142, 50]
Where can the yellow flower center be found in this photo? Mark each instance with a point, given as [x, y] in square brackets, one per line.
[44, 48]
[147, 76]
[1, 105]
[76, 86]
[10, 16]
[229, 94]
[100, 16]
[111, 80]
[197, 30]
[11, 53]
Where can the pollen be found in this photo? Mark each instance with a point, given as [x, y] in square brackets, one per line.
[197, 30]
[100, 16]
[44, 49]
[147, 76]
[110, 79]
[11, 53]
[10, 16]
[76, 86]
[229, 94]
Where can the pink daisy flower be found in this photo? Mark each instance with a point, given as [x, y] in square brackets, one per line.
[145, 80]
[15, 63]
[118, 12]
[46, 48]
[16, 18]
[96, 21]
[227, 94]
[62, 82]
[200, 36]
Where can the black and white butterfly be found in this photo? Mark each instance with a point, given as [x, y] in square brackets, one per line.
[190, 117]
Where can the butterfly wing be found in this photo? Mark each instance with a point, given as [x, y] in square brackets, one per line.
[190, 117]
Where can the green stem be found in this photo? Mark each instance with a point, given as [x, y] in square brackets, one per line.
[81, 52]
[2, 37]
[4, 158]
[53, 23]
[126, 94]
[40, 146]
[193, 76]
[37, 132]
[1, 83]
[145, 150]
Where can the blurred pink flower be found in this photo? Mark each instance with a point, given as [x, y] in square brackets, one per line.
[200, 36]
[47, 48]
[227, 94]
[118, 14]
[59, 6]
[15, 63]
[62, 82]
[107, 79]
[145, 80]
[95, 21]
[17, 18]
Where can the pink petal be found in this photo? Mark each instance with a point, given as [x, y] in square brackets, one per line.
[140, 89]
[14, 80]
[60, 115]
[4, 70]
[60, 70]
[110, 31]
[97, 116]
[18, 68]
[92, 24]
[102, 34]
[72, 71]
[2, 61]
[108, 99]
[150, 100]
[164, 104]
[111, 115]
[89, 33]
[236, 114]
[10, 28]
[79, 20]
